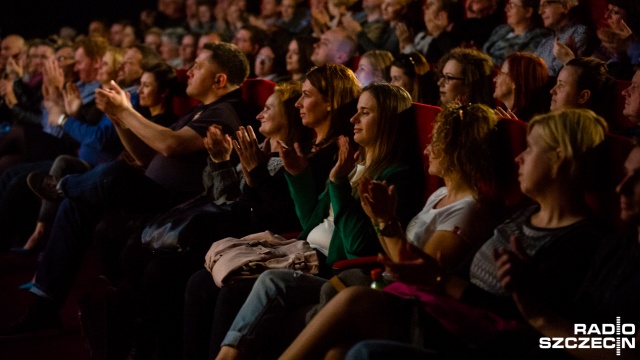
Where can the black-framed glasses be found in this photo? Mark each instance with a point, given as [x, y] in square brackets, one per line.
[447, 78]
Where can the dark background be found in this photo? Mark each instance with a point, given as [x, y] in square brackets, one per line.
[39, 18]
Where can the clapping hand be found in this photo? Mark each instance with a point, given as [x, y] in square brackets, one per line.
[72, 99]
[512, 264]
[249, 151]
[505, 113]
[294, 160]
[218, 144]
[378, 200]
[616, 40]
[346, 161]
[563, 52]
[112, 100]
[403, 34]
[15, 68]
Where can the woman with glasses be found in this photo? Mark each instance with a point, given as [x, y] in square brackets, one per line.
[521, 86]
[522, 32]
[466, 76]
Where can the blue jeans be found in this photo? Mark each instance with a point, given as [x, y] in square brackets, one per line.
[109, 187]
[273, 296]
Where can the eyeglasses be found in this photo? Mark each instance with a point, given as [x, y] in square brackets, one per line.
[447, 78]
[546, 4]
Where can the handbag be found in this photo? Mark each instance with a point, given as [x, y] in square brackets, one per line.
[174, 230]
[248, 257]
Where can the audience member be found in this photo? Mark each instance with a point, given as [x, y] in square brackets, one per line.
[561, 17]
[170, 46]
[213, 38]
[188, 49]
[411, 72]
[353, 236]
[298, 58]
[295, 19]
[374, 66]
[483, 16]
[336, 46]
[466, 76]
[555, 233]
[440, 18]
[327, 102]
[583, 83]
[153, 39]
[250, 39]
[521, 86]
[173, 157]
[12, 51]
[98, 28]
[522, 32]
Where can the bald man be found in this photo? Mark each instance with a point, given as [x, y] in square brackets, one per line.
[12, 46]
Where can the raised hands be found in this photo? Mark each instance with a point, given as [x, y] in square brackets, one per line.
[112, 100]
[349, 24]
[505, 113]
[293, 160]
[512, 264]
[249, 151]
[564, 52]
[616, 40]
[7, 93]
[15, 68]
[346, 161]
[72, 99]
[403, 34]
[53, 76]
[218, 144]
[378, 200]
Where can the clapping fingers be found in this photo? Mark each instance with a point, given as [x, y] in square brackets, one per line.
[512, 264]
[293, 160]
[218, 144]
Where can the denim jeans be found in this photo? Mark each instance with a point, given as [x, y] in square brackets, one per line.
[112, 186]
[273, 296]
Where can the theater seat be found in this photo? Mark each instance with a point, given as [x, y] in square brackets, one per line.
[425, 117]
[605, 170]
[182, 103]
[257, 91]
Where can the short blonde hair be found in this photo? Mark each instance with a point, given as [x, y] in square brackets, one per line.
[573, 131]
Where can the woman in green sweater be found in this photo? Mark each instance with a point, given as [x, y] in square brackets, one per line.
[335, 223]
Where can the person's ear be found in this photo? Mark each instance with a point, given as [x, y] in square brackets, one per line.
[220, 81]
[557, 162]
[584, 96]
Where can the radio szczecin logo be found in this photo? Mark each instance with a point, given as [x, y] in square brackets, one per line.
[616, 336]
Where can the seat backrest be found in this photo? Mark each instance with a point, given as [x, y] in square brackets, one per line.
[511, 141]
[183, 103]
[425, 116]
[606, 170]
[257, 91]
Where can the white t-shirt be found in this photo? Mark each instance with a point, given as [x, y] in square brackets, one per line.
[320, 237]
[452, 217]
